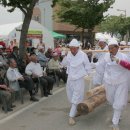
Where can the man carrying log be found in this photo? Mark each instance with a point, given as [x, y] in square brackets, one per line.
[103, 46]
[78, 66]
[114, 78]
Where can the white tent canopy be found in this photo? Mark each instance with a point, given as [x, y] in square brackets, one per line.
[9, 31]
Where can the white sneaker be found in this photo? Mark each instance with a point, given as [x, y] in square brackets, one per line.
[71, 121]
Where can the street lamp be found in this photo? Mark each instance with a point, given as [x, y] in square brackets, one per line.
[122, 11]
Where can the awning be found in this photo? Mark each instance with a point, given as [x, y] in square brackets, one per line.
[57, 35]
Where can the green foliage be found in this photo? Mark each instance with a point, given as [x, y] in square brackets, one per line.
[84, 14]
[111, 24]
[26, 6]
[115, 24]
[23, 5]
[54, 2]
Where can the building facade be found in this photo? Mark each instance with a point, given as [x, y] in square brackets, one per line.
[43, 13]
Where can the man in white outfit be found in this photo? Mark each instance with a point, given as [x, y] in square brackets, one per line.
[103, 46]
[114, 78]
[99, 55]
[78, 66]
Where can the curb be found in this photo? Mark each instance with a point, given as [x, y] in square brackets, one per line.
[28, 107]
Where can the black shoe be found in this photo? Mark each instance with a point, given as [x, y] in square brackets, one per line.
[49, 93]
[8, 109]
[12, 106]
[46, 95]
[34, 99]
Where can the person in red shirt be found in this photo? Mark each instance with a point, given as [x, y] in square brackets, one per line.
[2, 44]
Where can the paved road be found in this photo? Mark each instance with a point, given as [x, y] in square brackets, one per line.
[52, 114]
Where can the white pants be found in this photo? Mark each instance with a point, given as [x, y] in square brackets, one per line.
[75, 93]
[73, 110]
[116, 117]
[117, 95]
[128, 81]
[75, 90]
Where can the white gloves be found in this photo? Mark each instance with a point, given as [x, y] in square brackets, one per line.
[114, 58]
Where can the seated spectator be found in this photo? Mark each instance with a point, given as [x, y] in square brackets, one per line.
[8, 52]
[11, 45]
[58, 49]
[3, 44]
[5, 92]
[41, 57]
[35, 70]
[20, 62]
[54, 67]
[17, 80]
[3, 60]
[48, 53]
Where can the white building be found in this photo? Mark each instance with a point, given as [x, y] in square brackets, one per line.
[43, 13]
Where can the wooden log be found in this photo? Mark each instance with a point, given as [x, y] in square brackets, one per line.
[89, 104]
[86, 51]
[95, 90]
[91, 51]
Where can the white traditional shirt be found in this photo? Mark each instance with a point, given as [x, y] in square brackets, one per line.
[100, 55]
[34, 68]
[77, 66]
[110, 72]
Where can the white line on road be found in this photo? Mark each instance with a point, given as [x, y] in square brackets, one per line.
[28, 107]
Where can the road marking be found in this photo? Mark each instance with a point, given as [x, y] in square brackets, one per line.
[29, 106]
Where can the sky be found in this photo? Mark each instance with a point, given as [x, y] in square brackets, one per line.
[121, 5]
[6, 17]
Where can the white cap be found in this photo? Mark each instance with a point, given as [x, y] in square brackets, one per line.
[1, 46]
[123, 43]
[40, 47]
[74, 43]
[128, 43]
[102, 40]
[112, 42]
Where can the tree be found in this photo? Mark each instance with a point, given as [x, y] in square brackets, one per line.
[54, 2]
[26, 6]
[111, 24]
[115, 25]
[83, 14]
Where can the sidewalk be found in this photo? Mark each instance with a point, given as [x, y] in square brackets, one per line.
[27, 102]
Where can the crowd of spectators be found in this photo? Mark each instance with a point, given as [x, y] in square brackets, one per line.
[39, 66]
